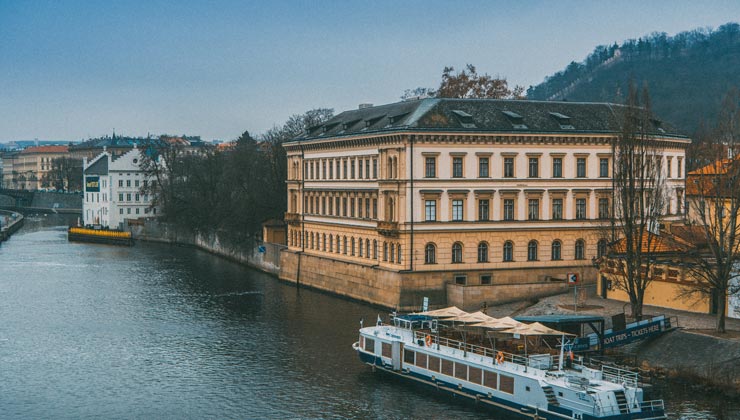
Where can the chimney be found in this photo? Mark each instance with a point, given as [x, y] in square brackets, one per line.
[363, 106]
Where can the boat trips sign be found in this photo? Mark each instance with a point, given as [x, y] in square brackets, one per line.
[629, 335]
[92, 184]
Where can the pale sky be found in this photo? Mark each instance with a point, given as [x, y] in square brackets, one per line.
[78, 69]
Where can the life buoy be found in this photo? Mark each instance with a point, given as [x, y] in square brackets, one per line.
[499, 358]
[429, 340]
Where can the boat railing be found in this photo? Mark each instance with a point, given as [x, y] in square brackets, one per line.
[619, 376]
[652, 405]
[540, 361]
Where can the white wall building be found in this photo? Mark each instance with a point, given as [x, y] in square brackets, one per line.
[113, 190]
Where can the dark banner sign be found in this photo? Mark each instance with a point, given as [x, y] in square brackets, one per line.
[631, 334]
[92, 184]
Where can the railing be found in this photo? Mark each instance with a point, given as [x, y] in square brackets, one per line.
[535, 361]
[387, 228]
[619, 376]
[652, 405]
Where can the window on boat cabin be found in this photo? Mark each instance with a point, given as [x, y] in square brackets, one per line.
[447, 367]
[387, 350]
[370, 345]
[489, 379]
[362, 342]
[507, 384]
[461, 371]
[408, 357]
[421, 360]
[433, 363]
[474, 375]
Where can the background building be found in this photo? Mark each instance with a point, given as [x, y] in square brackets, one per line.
[26, 169]
[461, 201]
[113, 190]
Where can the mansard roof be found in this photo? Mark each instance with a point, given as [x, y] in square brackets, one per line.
[481, 116]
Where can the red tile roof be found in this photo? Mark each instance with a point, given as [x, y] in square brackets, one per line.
[45, 149]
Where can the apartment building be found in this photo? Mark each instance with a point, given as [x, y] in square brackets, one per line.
[462, 201]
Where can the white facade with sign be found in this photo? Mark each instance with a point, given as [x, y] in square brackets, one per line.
[113, 190]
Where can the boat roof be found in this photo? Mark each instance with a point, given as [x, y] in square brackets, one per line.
[560, 319]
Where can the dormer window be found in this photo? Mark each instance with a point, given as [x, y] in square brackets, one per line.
[349, 124]
[563, 121]
[373, 120]
[466, 120]
[516, 120]
[393, 119]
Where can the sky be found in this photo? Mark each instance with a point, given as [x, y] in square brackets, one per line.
[73, 70]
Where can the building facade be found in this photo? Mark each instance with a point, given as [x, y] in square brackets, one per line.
[25, 170]
[113, 190]
[461, 201]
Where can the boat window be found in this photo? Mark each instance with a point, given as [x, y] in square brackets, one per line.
[474, 375]
[370, 345]
[507, 384]
[447, 367]
[387, 350]
[408, 357]
[421, 360]
[434, 363]
[461, 371]
[489, 379]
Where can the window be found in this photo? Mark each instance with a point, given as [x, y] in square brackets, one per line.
[483, 167]
[601, 248]
[556, 250]
[359, 207]
[128, 197]
[532, 251]
[534, 209]
[398, 253]
[120, 197]
[375, 168]
[430, 210]
[508, 251]
[430, 167]
[581, 167]
[603, 208]
[369, 345]
[557, 167]
[344, 206]
[128, 210]
[367, 169]
[344, 169]
[678, 167]
[580, 249]
[460, 279]
[351, 207]
[367, 248]
[408, 357]
[557, 209]
[506, 384]
[375, 249]
[421, 360]
[490, 379]
[385, 251]
[120, 183]
[509, 167]
[136, 197]
[120, 211]
[534, 167]
[136, 183]
[457, 252]
[367, 208]
[604, 167]
[509, 209]
[430, 254]
[482, 252]
[128, 182]
[457, 210]
[393, 253]
[580, 208]
[461, 371]
[375, 208]
[483, 207]
[457, 167]
[485, 279]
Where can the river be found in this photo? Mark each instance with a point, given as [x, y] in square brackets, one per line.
[159, 331]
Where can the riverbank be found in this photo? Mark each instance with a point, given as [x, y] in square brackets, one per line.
[689, 353]
[260, 255]
[10, 222]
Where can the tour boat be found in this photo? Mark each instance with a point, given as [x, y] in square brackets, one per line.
[537, 386]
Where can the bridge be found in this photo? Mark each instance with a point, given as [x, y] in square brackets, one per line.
[23, 198]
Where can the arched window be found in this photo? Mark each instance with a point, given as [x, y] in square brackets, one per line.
[508, 251]
[360, 244]
[339, 241]
[430, 254]
[532, 251]
[580, 249]
[367, 247]
[323, 241]
[331, 243]
[344, 241]
[398, 253]
[385, 251]
[393, 252]
[482, 252]
[457, 252]
[556, 250]
[375, 249]
[353, 246]
[601, 248]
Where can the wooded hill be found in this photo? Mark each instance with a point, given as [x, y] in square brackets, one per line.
[687, 74]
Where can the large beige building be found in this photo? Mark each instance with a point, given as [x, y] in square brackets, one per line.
[26, 169]
[461, 201]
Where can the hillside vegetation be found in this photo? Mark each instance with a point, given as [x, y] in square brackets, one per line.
[687, 74]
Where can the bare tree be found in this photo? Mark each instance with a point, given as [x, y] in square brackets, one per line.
[714, 206]
[640, 198]
[65, 174]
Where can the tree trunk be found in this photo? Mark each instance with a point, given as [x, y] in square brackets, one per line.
[721, 305]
